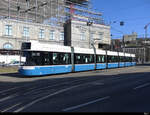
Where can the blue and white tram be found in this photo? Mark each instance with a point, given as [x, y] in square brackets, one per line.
[121, 59]
[45, 59]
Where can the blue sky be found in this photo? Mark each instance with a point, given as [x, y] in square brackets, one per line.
[135, 14]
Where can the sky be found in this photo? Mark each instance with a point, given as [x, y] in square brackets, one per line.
[134, 13]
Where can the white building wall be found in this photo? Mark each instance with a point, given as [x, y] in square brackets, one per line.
[95, 29]
[34, 28]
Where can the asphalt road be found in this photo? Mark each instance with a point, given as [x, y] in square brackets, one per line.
[113, 90]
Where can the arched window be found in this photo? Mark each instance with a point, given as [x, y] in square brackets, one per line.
[8, 46]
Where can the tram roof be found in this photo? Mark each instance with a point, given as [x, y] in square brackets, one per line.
[111, 53]
[38, 46]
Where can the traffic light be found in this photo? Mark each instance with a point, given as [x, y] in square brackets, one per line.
[121, 23]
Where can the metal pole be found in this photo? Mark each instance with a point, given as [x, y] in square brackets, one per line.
[9, 9]
[72, 59]
[89, 36]
[36, 11]
[27, 7]
[144, 54]
[124, 51]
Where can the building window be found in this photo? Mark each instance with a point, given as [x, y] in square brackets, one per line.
[61, 35]
[8, 46]
[82, 35]
[8, 30]
[100, 36]
[41, 34]
[52, 35]
[26, 32]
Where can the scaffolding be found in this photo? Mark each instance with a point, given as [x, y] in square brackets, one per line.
[54, 12]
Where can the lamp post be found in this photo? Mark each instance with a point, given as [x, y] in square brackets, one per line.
[89, 23]
[146, 36]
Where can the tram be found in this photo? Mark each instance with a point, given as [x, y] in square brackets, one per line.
[46, 59]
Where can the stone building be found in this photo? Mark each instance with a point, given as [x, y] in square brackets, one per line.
[13, 33]
[80, 34]
[129, 38]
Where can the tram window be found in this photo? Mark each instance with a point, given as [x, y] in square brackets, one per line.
[100, 59]
[64, 58]
[91, 59]
[35, 54]
[130, 59]
[33, 58]
[109, 60]
[112, 59]
[133, 59]
[55, 58]
[127, 59]
[47, 58]
[116, 59]
[84, 58]
[78, 59]
[37, 58]
[103, 59]
[121, 59]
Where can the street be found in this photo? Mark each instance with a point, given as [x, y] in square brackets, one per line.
[111, 90]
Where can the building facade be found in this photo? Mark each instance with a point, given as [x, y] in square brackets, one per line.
[129, 38]
[81, 34]
[13, 33]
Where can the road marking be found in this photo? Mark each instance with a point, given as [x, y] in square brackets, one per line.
[50, 86]
[8, 89]
[96, 83]
[85, 104]
[141, 86]
[40, 99]
[9, 97]
[11, 107]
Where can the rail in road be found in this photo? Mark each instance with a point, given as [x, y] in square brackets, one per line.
[113, 90]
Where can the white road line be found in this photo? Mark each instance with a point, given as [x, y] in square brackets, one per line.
[50, 86]
[11, 107]
[40, 99]
[85, 104]
[9, 97]
[141, 86]
[8, 89]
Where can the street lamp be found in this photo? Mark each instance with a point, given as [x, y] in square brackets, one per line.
[89, 23]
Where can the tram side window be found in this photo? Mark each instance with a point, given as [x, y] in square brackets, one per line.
[55, 59]
[89, 58]
[47, 58]
[65, 58]
[116, 59]
[121, 59]
[112, 59]
[127, 59]
[130, 59]
[100, 59]
[37, 58]
[103, 59]
[33, 58]
[78, 59]
[133, 59]
[84, 58]
[109, 59]
[61, 58]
